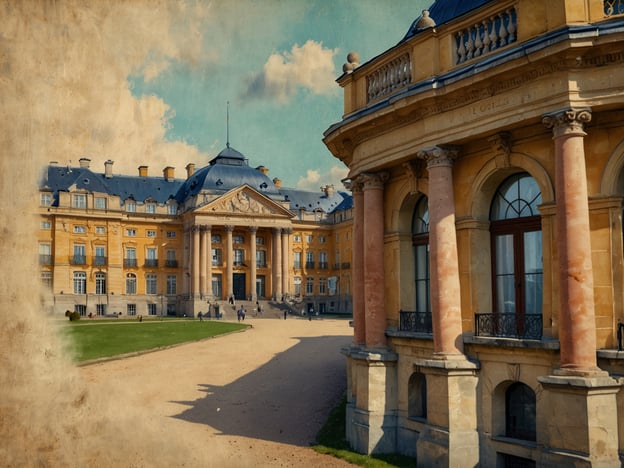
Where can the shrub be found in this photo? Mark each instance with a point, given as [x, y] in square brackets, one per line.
[74, 316]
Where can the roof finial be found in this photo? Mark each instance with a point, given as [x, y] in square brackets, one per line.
[228, 124]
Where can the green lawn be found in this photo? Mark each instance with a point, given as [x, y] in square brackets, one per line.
[94, 340]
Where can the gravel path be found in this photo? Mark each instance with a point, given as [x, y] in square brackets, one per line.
[255, 398]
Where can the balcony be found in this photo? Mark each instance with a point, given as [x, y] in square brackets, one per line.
[523, 326]
[79, 260]
[45, 259]
[416, 322]
[130, 262]
[99, 260]
[323, 265]
[151, 262]
[309, 265]
[345, 265]
[171, 263]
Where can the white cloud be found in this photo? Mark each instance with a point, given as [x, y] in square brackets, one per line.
[310, 66]
[65, 73]
[314, 179]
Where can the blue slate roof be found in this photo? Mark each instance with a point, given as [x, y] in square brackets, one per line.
[310, 201]
[443, 11]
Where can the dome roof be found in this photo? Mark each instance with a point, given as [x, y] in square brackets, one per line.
[228, 170]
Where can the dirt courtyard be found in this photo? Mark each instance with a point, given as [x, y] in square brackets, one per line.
[255, 398]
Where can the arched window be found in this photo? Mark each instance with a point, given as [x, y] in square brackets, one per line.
[516, 238]
[417, 396]
[131, 283]
[420, 241]
[520, 412]
[100, 283]
[80, 282]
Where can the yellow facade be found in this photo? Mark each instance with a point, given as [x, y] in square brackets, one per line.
[445, 89]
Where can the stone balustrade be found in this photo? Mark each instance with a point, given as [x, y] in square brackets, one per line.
[388, 78]
[486, 36]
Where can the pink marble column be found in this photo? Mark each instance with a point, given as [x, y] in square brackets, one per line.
[209, 260]
[195, 257]
[229, 269]
[577, 325]
[444, 268]
[357, 262]
[374, 277]
[277, 263]
[203, 241]
[252, 261]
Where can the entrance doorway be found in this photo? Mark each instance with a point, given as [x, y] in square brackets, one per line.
[238, 287]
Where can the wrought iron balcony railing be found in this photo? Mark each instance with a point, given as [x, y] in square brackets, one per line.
[130, 262]
[151, 262]
[525, 326]
[45, 259]
[99, 260]
[79, 260]
[418, 322]
[171, 263]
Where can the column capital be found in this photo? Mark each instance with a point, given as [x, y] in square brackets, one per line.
[373, 180]
[352, 184]
[439, 155]
[567, 122]
[252, 229]
[229, 228]
[287, 231]
[195, 228]
[205, 227]
[277, 230]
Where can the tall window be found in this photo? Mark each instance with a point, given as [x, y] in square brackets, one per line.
[100, 255]
[309, 285]
[80, 282]
[100, 283]
[171, 259]
[261, 258]
[100, 203]
[130, 259]
[420, 241]
[517, 247]
[150, 283]
[322, 285]
[297, 260]
[239, 256]
[323, 260]
[217, 257]
[46, 279]
[297, 281]
[130, 283]
[79, 200]
[151, 257]
[172, 285]
[130, 206]
[520, 412]
[309, 259]
[45, 199]
[45, 254]
[150, 208]
[79, 255]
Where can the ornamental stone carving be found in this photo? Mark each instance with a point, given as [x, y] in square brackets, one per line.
[373, 180]
[567, 122]
[439, 155]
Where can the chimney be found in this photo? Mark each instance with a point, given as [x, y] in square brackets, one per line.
[190, 170]
[143, 171]
[108, 168]
[168, 173]
[84, 163]
[278, 183]
[264, 170]
[328, 190]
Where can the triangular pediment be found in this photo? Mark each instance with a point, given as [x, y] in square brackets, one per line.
[245, 201]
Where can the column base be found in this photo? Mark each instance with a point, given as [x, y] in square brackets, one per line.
[580, 420]
[450, 437]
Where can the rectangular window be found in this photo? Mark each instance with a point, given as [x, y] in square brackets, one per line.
[150, 283]
[79, 200]
[172, 285]
[172, 209]
[45, 199]
[100, 309]
[131, 207]
[259, 240]
[323, 264]
[130, 232]
[309, 238]
[171, 309]
[151, 257]
[46, 279]
[130, 259]
[47, 225]
[100, 230]
[309, 259]
[238, 239]
[297, 260]
[297, 281]
[151, 309]
[100, 203]
[100, 255]
[309, 285]
[131, 309]
[321, 239]
[130, 283]
[80, 282]
[45, 254]
[171, 261]
[150, 233]
[100, 283]
[261, 258]
[79, 257]
[171, 234]
[217, 257]
[150, 208]
[322, 285]
[81, 309]
[239, 256]
[79, 229]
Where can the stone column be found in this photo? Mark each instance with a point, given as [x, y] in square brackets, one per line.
[374, 277]
[444, 268]
[209, 260]
[195, 261]
[229, 255]
[357, 262]
[277, 263]
[202, 259]
[252, 261]
[286, 261]
[577, 324]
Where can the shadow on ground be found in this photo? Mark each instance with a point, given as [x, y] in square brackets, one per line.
[287, 400]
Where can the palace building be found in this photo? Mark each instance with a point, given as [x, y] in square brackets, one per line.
[114, 244]
[486, 162]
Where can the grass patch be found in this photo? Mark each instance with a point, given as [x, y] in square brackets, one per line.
[331, 440]
[94, 340]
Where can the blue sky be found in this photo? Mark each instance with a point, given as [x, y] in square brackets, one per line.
[146, 82]
[276, 62]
